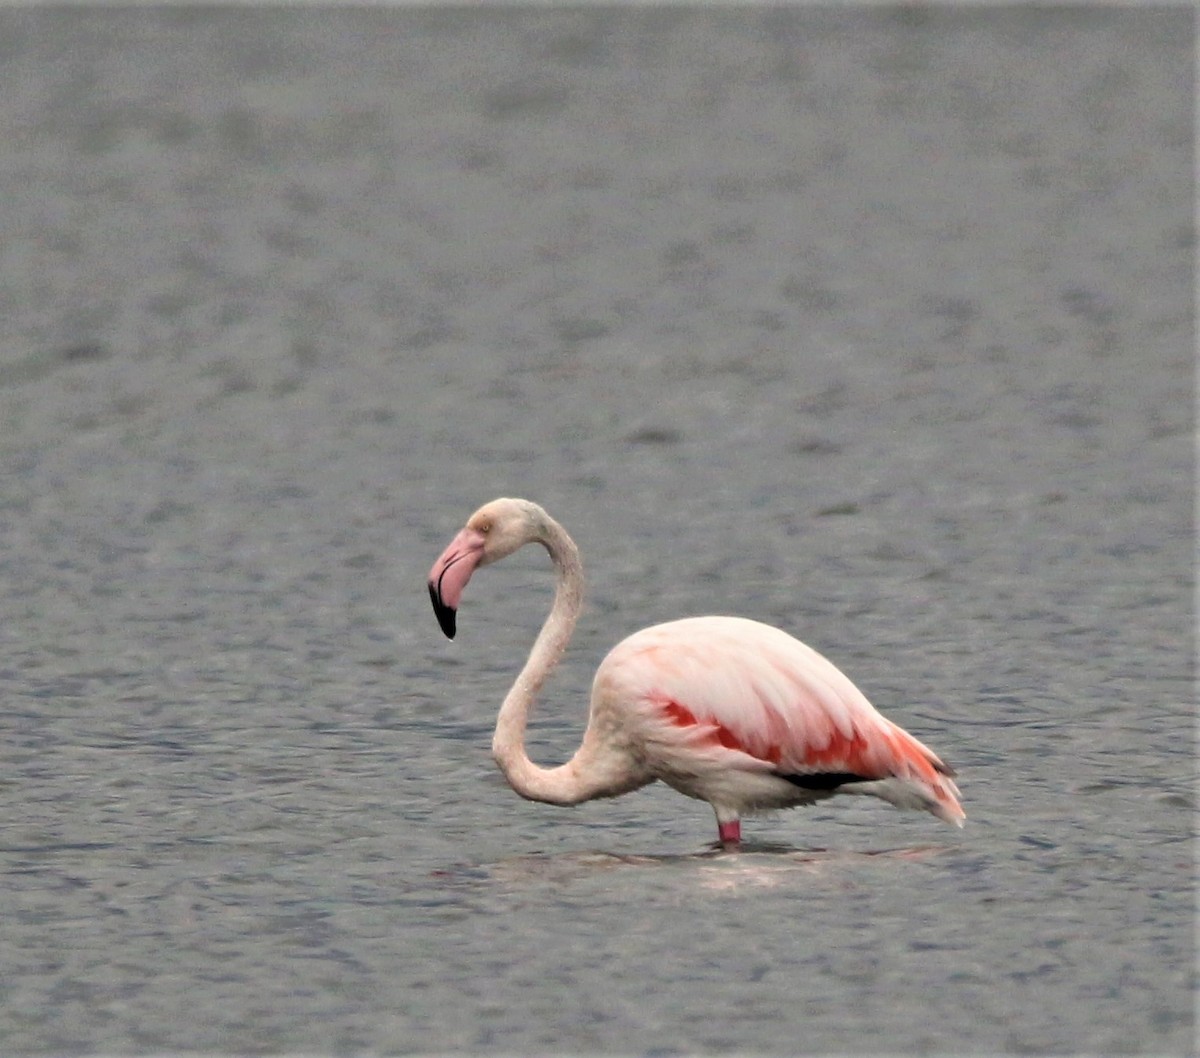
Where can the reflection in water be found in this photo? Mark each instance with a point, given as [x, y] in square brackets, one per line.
[758, 864]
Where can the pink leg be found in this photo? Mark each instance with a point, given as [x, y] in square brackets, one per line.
[730, 833]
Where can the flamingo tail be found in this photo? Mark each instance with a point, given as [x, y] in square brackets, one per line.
[919, 780]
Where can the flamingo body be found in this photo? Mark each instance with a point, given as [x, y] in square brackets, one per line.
[723, 709]
[744, 716]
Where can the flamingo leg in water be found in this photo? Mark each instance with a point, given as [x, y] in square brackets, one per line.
[730, 833]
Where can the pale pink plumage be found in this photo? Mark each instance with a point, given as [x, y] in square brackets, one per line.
[727, 710]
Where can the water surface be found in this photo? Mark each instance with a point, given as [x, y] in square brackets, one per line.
[872, 324]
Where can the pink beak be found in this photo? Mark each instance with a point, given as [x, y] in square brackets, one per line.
[450, 574]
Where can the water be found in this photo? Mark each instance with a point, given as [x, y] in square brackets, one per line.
[876, 325]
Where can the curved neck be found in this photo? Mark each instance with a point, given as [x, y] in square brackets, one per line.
[562, 785]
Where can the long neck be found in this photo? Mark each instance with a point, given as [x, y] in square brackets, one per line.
[562, 785]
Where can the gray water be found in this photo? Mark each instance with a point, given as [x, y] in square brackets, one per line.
[872, 324]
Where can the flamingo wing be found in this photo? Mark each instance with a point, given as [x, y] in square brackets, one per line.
[748, 697]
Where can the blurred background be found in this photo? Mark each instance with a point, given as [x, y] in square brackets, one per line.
[872, 323]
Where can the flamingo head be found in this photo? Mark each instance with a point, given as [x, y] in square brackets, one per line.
[493, 532]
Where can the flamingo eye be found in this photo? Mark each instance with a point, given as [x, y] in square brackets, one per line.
[485, 527]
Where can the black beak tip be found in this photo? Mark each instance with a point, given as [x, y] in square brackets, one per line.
[445, 614]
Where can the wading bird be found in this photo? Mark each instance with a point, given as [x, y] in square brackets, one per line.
[723, 709]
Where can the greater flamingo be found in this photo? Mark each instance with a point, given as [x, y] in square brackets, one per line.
[723, 709]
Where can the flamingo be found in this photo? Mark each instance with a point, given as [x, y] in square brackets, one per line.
[723, 709]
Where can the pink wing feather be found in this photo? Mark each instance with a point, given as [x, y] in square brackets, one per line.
[763, 700]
